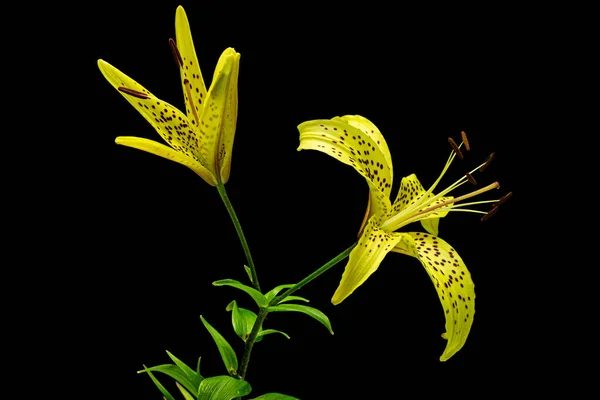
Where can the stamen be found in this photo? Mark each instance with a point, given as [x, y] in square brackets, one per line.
[396, 222]
[186, 83]
[503, 199]
[487, 162]
[134, 93]
[489, 214]
[176, 53]
[470, 178]
[465, 140]
[455, 148]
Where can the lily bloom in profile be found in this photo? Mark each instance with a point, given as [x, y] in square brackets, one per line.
[356, 141]
[202, 138]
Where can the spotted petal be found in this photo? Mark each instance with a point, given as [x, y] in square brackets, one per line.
[354, 147]
[452, 282]
[411, 191]
[167, 152]
[194, 89]
[217, 123]
[230, 117]
[171, 124]
[371, 130]
[373, 246]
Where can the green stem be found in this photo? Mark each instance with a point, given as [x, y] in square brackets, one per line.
[262, 314]
[238, 228]
[312, 276]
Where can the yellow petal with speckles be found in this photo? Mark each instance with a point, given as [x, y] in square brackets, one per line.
[370, 129]
[167, 152]
[410, 192]
[230, 120]
[194, 89]
[452, 282]
[217, 123]
[354, 147]
[171, 124]
[373, 246]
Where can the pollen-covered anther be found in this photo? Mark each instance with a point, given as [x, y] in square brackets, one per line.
[134, 93]
[503, 199]
[470, 178]
[489, 214]
[465, 140]
[487, 162]
[455, 148]
[176, 53]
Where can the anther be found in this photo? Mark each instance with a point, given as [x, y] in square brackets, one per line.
[503, 199]
[489, 214]
[455, 148]
[487, 162]
[134, 93]
[470, 178]
[176, 54]
[465, 140]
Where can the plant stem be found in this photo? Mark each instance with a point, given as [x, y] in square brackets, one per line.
[238, 228]
[312, 276]
[262, 314]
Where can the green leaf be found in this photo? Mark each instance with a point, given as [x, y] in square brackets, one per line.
[174, 372]
[184, 392]
[258, 297]
[275, 396]
[269, 331]
[310, 311]
[223, 387]
[292, 298]
[242, 320]
[160, 387]
[193, 376]
[249, 272]
[273, 292]
[227, 354]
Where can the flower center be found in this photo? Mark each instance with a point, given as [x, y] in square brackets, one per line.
[429, 205]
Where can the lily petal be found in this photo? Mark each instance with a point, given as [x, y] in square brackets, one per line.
[354, 147]
[230, 119]
[412, 191]
[373, 246]
[170, 123]
[452, 282]
[213, 115]
[194, 89]
[167, 152]
[370, 129]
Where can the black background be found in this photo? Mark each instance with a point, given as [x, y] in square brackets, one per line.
[151, 236]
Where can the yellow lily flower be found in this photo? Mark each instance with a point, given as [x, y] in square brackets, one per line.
[201, 139]
[356, 141]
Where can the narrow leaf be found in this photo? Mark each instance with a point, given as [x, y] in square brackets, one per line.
[275, 396]
[258, 297]
[227, 354]
[194, 377]
[269, 331]
[310, 311]
[242, 320]
[292, 298]
[273, 292]
[160, 387]
[223, 388]
[184, 392]
[174, 372]
[249, 272]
